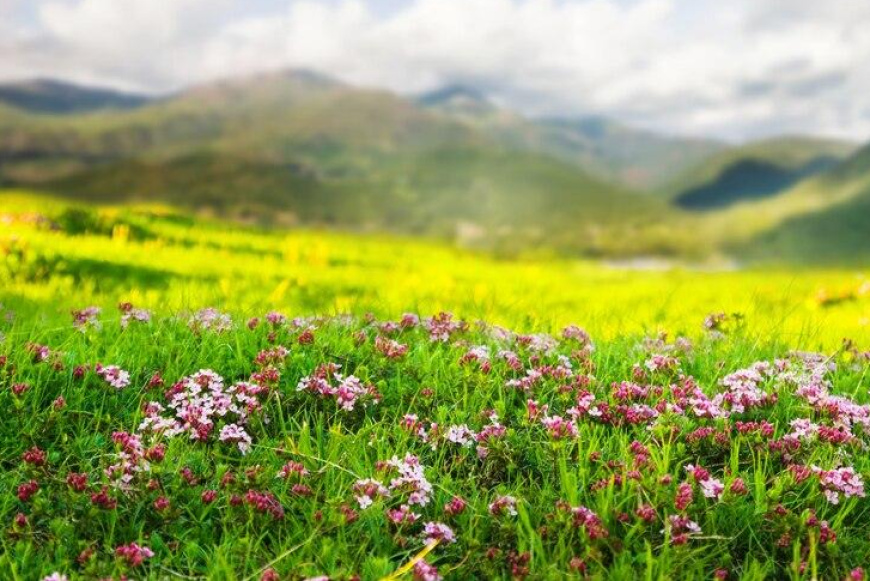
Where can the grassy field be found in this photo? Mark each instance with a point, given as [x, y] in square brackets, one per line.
[158, 440]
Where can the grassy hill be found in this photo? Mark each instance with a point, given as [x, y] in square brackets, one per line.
[755, 171]
[839, 228]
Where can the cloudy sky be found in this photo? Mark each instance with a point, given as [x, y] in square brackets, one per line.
[729, 68]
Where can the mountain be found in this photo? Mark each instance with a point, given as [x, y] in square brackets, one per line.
[637, 158]
[457, 100]
[295, 147]
[609, 150]
[755, 171]
[56, 97]
[834, 226]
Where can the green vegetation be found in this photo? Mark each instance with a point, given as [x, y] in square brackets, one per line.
[650, 458]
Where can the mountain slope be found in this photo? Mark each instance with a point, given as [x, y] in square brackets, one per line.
[56, 97]
[838, 228]
[755, 171]
[602, 147]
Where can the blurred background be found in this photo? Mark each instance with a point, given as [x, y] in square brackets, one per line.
[645, 133]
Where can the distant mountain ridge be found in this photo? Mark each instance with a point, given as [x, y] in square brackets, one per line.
[58, 97]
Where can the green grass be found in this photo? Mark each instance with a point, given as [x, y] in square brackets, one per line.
[57, 257]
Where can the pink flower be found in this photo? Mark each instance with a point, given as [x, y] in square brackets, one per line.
[210, 319]
[87, 318]
[235, 433]
[461, 435]
[455, 506]
[843, 481]
[390, 348]
[436, 531]
[423, 571]
[560, 428]
[133, 554]
[113, 375]
[503, 505]
[368, 490]
[402, 515]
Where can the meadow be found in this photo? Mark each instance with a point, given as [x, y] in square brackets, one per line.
[189, 398]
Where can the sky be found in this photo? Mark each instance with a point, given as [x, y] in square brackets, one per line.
[732, 69]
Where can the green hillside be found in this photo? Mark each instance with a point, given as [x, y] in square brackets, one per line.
[755, 171]
[837, 232]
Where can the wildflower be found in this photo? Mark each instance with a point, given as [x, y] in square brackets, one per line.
[113, 375]
[455, 506]
[276, 319]
[681, 528]
[460, 435]
[34, 456]
[210, 319]
[102, 499]
[326, 381]
[19, 388]
[409, 320]
[368, 490]
[270, 575]
[712, 488]
[503, 505]
[684, 496]
[442, 326]
[843, 481]
[56, 577]
[237, 434]
[560, 428]
[402, 515]
[423, 571]
[161, 503]
[575, 333]
[534, 409]
[389, 348]
[586, 519]
[27, 490]
[436, 531]
[130, 314]
[208, 496]
[411, 480]
[292, 468]
[77, 481]
[738, 487]
[479, 355]
[87, 318]
[646, 513]
[265, 502]
[133, 554]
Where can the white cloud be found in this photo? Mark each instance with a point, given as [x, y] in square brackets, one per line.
[737, 68]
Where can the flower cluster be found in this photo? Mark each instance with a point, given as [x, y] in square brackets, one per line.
[347, 391]
[198, 404]
[87, 318]
[130, 314]
[113, 375]
[210, 319]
